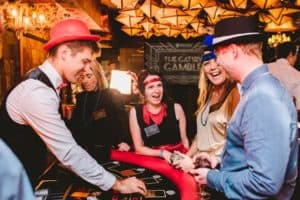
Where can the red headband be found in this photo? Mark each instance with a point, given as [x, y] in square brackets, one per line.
[151, 80]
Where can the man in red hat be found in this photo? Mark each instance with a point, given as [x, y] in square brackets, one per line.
[30, 114]
[260, 156]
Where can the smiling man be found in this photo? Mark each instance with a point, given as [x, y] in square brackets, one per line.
[260, 156]
[30, 114]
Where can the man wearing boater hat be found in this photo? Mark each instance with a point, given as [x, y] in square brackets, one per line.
[30, 120]
[260, 157]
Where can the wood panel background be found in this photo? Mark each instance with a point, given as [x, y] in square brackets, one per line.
[32, 53]
[9, 62]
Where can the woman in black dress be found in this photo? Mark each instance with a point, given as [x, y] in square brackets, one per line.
[157, 127]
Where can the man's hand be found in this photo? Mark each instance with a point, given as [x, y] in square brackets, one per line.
[203, 159]
[130, 185]
[200, 175]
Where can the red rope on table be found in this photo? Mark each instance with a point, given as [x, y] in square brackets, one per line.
[186, 184]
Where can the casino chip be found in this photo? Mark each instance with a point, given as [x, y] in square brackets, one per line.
[156, 176]
[170, 192]
[140, 169]
[91, 198]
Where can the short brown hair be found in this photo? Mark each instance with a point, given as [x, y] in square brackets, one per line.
[284, 49]
[76, 46]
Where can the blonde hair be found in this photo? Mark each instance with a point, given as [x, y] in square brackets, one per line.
[98, 72]
[205, 91]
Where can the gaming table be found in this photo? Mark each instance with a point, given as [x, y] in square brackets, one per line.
[162, 180]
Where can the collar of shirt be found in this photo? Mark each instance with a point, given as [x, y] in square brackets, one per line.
[252, 76]
[53, 75]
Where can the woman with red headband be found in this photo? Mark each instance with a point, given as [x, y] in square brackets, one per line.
[157, 127]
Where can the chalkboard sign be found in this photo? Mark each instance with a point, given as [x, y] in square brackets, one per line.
[179, 63]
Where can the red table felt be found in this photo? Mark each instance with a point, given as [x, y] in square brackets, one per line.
[185, 183]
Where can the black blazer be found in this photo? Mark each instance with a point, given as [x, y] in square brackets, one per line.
[100, 118]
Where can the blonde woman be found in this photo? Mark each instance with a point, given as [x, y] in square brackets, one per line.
[218, 97]
[99, 115]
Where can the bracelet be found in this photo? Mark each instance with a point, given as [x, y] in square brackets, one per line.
[161, 153]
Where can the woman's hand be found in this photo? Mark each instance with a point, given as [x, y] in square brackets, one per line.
[185, 163]
[185, 143]
[165, 154]
[214, 161]
[134, 80]
[123, 146]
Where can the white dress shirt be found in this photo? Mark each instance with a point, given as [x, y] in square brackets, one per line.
[35, 104]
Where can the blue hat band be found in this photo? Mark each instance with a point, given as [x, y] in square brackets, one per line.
[208, 56]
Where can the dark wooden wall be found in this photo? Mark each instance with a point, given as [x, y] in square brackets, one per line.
[9, 62]
[18, 56]
[32, 53]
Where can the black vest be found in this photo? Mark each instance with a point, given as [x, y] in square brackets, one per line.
[22, 139]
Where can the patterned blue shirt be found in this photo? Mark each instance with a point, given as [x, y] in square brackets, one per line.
[260, 156]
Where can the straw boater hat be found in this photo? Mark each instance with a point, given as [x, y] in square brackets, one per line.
[69, 30]
[236, 29]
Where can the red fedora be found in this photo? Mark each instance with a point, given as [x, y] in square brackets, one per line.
[69, 30]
